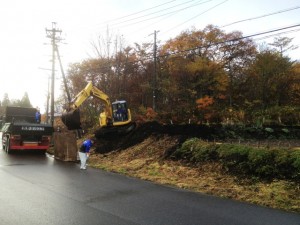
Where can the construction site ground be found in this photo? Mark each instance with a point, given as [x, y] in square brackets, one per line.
[146, 153]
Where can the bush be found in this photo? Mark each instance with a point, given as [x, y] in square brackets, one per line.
[261, 162]
[283, 162]
[245, 160]
[234, 157]
[186, 149]
[196, 150]
[205, 152]
[295, 158]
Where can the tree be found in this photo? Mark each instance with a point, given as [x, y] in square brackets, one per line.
[283, 44]
[205, 74]
[5, 101]
[294, 88]
[207, 62]
[271, 78]
[25, 102]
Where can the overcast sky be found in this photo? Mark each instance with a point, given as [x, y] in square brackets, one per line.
[25, 52]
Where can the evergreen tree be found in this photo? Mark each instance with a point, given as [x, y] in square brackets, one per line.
[5, 101]
[25, 102]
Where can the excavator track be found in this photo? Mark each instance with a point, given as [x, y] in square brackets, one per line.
[115, 130]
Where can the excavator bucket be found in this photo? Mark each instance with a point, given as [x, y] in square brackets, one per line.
[72, 119]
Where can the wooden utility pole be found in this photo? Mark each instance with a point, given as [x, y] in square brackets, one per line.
[48, 98]
[51, 33]
[63, 75]
[154, 72]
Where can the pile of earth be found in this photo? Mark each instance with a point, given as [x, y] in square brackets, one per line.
[283, 136]
[146, 153]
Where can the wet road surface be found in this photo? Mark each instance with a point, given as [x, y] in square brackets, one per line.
[37, 189]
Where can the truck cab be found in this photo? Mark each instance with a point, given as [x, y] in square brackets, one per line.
[22, 132]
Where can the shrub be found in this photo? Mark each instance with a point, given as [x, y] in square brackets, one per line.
[261, 162]
[234, 157]
[205, 152]
[295, 158]
[283, 162]
[186, 149]
[245, 160]
[196, 150]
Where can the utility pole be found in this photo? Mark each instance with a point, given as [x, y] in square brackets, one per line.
[154, 72]
[118, 65]
[63, 74]
[48, 98]
[51, 33]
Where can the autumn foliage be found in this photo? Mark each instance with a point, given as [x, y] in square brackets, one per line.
[200, 76]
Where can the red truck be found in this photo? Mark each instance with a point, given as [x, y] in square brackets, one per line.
[21, 131]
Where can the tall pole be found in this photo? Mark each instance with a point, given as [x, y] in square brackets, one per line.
[63, 74]
[154, 73]
[53, 77]
[48, 97]
[51, 33]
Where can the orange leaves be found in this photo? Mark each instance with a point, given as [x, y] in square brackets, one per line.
[150, 114]
[204, 103]
[204, 106]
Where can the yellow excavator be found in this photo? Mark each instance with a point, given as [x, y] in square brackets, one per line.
[116, 117]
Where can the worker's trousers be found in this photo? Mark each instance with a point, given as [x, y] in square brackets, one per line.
[83, 157]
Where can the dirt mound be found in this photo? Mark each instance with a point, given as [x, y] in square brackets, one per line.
[180, 133]
[183, 132]
[140, 133]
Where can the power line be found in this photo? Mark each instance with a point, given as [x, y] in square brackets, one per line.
[218, 43]
[235, 39]
[172, 13]
[197, 16]
[262, 16]
[227, 41]
[168, 14]
[159, 12]
[119, 18]
[278, 34]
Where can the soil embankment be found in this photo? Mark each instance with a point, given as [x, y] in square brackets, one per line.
[278, 136]
[146, 153]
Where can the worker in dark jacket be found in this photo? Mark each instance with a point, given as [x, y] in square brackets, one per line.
[38, 116]
[84, 153]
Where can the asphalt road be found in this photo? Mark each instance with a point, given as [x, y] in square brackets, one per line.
[37, 189]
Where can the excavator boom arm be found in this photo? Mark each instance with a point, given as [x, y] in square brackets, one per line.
[88, 91]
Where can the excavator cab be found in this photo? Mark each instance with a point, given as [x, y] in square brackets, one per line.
[120, 111]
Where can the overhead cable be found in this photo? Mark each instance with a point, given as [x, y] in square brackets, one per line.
[258, 17]
[154, 17]
[234, 39]
[222, 42]
[119, 18]
[149, 14]
[197, 15]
